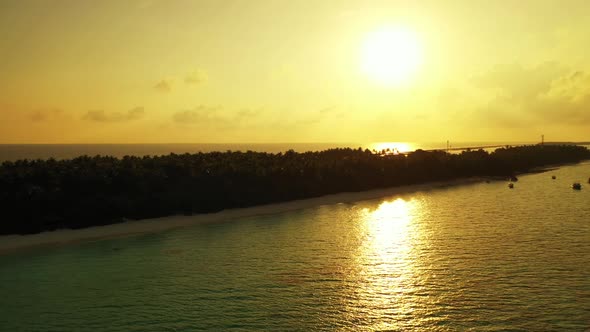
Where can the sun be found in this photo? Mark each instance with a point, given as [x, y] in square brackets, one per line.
[391, 55]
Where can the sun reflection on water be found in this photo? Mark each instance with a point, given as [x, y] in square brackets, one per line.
[388, 224]
[388, 277]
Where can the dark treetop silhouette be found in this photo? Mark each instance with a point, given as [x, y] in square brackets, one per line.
[40, 195]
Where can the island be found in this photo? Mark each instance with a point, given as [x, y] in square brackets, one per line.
[44, 195]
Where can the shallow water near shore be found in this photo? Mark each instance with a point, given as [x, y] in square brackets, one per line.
[478, 256]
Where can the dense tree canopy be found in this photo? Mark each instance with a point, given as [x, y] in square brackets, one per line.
[38, 195]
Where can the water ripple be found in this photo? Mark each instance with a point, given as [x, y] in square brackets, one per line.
[474, 258]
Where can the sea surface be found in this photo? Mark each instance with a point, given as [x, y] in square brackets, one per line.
[12, 152]
[477, 257]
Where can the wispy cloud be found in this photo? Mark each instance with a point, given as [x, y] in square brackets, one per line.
[247, 114]
[325, 113]
[42, 115]
[164, 86]
[205, 115]
[218, 118]
[102, 116]
[195, 77]
[545, 94]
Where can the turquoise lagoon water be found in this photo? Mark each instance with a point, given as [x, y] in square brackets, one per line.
[477, 257]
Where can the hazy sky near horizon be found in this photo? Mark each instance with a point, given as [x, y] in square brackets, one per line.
[290, 71]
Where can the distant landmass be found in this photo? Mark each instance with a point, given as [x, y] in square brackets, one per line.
[13, 152]
[567, 143]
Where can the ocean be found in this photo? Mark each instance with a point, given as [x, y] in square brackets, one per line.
[474, 257]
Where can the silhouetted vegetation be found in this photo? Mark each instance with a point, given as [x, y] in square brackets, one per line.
[38, 195]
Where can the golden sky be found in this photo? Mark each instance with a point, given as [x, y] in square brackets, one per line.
[161, 71]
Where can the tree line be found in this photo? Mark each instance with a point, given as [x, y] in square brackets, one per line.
[41, 195]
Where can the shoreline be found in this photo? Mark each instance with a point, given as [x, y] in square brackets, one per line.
[13, 243]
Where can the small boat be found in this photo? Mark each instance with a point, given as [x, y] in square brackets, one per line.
[511, 185]
[553, 177]
[576, 186]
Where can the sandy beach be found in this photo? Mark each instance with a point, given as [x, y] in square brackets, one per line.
[10, 243]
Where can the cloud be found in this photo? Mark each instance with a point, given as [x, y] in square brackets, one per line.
[102, 116]
[320, 115]
[517, 82]
[247, 114]
[42, 115]
[567, 100]
[327, 110]
[546, 94]
[201, 114]
[164, 86]
[218, 118]
[135, 113]
[196, 77]
[252, 119]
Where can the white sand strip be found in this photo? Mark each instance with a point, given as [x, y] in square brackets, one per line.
[9, 243]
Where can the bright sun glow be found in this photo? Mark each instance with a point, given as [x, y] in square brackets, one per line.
[392, 147]
[391, 56]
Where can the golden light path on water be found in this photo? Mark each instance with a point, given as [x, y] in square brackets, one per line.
[386, 262]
